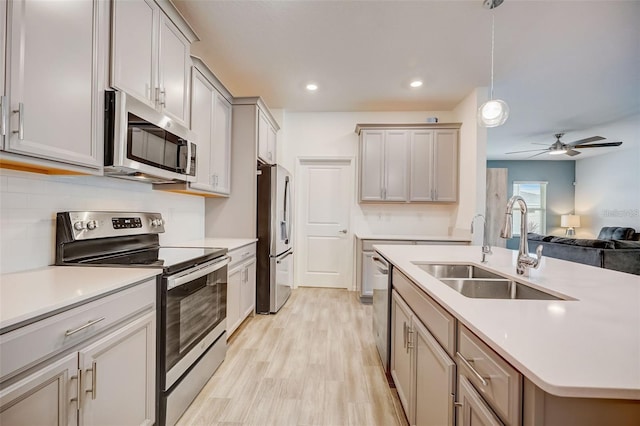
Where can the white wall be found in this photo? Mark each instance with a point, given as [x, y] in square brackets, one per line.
[608, 186]
[29, 202]
[473, 164]
[331, 134]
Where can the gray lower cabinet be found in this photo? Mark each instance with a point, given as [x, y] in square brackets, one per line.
[79, 372]
[423, 372]
[473, 411]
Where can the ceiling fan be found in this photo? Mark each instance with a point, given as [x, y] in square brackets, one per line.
[559, 147]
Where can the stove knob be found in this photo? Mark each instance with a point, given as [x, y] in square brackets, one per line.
[79, 226]
[156, 222]
[92, 224]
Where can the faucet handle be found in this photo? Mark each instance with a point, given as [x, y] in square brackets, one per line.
[538, 256]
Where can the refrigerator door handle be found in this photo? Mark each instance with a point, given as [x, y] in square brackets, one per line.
[285, 223]
[286, 255]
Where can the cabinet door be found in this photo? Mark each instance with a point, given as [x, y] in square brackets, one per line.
[435, 380]
[473, 411]
[401, 366]
[234, 284]
[271, 144]
[134, 48]
[446, 165]
[263, 138]
[173, 72]
[248, 293]
[421, 166]
[221, 145]
[396, 172]
[369, 274]
[4, 108]
[372, 165]
[119, 376]
[202, 94]
[46, 397]
[54, 99]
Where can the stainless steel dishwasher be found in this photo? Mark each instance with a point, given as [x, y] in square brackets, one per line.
[381, 309]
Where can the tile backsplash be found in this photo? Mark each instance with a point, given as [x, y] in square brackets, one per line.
[29, 203]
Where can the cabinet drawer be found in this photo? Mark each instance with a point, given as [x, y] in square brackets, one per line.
[503, 387]
[367, 245]
[35, 342]
[241, 254]
[439, 322]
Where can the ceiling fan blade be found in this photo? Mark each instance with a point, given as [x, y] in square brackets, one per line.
[535, 155]
[572, 152]
[586, 140]
[529, 150]
[598, 145]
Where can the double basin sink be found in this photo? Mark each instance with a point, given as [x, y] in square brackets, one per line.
[478, 283]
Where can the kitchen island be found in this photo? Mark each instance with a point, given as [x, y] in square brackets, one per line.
[582, 351]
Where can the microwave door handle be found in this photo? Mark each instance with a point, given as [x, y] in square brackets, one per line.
[187, 278]
[187, 169]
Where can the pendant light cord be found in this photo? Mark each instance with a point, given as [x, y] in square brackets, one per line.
[493, 21]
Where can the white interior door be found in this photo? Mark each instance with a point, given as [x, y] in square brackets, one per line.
[326, 249]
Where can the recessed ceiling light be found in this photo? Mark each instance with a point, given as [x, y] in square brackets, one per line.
[416, 83]
[312, 87]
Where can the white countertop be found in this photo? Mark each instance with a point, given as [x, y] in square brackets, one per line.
[30, 294]
[228, 243]
[363, 236]
[589, 347]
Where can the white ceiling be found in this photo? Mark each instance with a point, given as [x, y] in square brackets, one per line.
[560, 65]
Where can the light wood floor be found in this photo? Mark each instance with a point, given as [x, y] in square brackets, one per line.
[313, 363]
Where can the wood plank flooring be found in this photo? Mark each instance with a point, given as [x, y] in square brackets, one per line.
[313, 363]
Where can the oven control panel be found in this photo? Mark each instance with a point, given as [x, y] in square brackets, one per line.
[91, 225]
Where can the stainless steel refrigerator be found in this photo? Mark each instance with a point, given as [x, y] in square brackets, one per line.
[275, 248]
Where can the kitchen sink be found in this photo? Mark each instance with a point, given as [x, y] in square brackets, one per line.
[496, 289]
[457, 271]
[478, 283]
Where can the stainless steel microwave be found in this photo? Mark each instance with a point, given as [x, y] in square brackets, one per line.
[143, 144]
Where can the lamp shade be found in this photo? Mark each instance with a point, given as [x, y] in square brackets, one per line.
[570, 221]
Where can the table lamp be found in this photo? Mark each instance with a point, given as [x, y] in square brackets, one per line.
[570, 221]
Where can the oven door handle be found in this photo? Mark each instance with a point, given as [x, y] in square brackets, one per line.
[187, 278]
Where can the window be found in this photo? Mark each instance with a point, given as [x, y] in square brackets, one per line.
[535, 195]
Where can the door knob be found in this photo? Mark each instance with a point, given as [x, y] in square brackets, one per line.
[343, 231]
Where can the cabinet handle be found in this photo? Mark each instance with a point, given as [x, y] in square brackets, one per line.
[94, 378]
[452, 407]
[20, 112]
[409, 339]
[3, 115]
[467, 364]
[82, 327]
[404, 334]
[78, 378]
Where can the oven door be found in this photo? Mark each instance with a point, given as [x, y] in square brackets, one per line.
[195, 315]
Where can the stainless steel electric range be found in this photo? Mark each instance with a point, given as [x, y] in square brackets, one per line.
[192, 294]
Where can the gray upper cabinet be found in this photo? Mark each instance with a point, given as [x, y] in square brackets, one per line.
[3, 99]
[150, 56]
[434, 165]
[408, 162]
[211, 119]
[55, 75]
[267, 135]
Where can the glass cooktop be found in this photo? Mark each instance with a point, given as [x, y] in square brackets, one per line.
[171, 259]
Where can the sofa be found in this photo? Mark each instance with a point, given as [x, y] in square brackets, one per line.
[616, 248]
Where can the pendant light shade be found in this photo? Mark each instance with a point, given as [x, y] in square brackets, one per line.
[494, 112]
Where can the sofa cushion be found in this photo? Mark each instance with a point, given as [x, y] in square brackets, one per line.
[616, 233]
[626, 244]
[622, 260]
[532, 236]
[580, 242]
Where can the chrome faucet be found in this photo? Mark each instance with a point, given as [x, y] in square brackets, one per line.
[486, 247]
[524, 260]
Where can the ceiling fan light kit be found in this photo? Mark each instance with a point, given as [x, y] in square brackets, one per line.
[494, 112]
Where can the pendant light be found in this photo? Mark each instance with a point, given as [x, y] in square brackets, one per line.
[494, 112]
